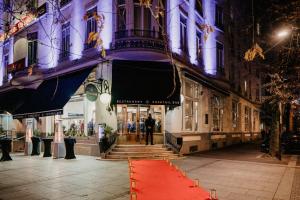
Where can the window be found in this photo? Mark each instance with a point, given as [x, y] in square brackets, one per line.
[91, 26]
[32, 4]
[191, 106]
[183, 33]
[219, 17]
[220, 57]
[121, 15]
[199, 47]
[64, 2]
[247, 118]
[65, 42]
[199, 7]
[188, 119]
[257, 93]
[5, 64]
[234, 114]
[32, 48]
[217, 113]
[142, 20]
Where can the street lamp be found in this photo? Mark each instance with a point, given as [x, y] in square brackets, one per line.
[283, 33]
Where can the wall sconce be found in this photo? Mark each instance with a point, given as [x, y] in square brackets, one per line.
[100, 88]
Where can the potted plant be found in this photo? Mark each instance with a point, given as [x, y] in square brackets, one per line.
[107, 131]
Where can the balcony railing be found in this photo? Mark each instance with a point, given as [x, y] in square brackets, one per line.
[64, 55]
[89, 45]
[138, 33]
[135, 38]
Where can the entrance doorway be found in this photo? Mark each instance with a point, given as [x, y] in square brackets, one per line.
[131, 122]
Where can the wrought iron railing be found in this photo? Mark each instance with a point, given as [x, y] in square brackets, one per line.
[64, 55]
[89, 45]
[138, 33]
[173, 141]
[107, 142]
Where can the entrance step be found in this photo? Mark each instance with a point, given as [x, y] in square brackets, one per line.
[124, 152]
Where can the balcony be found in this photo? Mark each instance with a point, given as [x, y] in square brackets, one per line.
[136, 38]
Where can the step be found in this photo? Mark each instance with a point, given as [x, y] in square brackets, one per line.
[139, 150]
[141, 156]
[140, 153]
[140, 146]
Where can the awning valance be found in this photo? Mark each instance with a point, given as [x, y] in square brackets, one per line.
[145, 82]
[52, 95]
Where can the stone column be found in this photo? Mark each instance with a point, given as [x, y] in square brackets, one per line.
[59, 150]
[28, 143]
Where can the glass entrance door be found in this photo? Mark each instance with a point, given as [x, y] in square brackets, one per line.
[131, 120]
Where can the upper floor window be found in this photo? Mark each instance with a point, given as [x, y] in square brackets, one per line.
[199, 7]
[219, 17]
[91, 26]
[220, 57]
[64, 2]
[6, 5]
[32, 4]
[32, 48]
[199, 47]
[121, 15]
[142, 19]
[65, 41]
[183, 33]
[5, 63]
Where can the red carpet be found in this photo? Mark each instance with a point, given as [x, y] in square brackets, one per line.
[157, 180]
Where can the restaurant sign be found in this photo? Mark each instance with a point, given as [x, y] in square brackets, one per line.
[16, 66]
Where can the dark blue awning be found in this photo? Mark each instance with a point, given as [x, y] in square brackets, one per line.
[51, 96]
[145, 82]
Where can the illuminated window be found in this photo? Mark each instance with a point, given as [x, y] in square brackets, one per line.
[247, 118]
[234, 114]
[217, 113]
[91, 26]
[142, 20]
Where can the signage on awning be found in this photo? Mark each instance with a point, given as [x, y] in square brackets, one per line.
[16, 66]
[39, 114]
[145, 82]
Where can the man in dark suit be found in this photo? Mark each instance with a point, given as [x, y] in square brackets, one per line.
[149, 123]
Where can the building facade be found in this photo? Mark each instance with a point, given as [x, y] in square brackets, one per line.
[198, 45]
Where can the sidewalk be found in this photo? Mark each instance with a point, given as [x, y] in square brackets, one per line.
[38, 178]
[244, 180]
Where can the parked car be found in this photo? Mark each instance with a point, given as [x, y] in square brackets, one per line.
[290, 142]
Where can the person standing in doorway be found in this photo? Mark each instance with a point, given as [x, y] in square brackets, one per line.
[149, 123]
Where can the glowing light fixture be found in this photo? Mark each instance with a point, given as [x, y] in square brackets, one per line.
[283, 33]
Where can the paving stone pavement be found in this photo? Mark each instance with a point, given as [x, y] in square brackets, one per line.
[32, 178]
[238, 180]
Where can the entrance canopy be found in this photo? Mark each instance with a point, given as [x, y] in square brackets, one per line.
[145, 82]
[51, 96]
